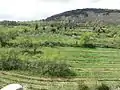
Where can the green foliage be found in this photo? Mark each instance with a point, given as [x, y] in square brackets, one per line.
[51, 69]
[26, 43]
[53, 44]
[83, 87]
[57, 69]
[103, 87]
[10, 61]
[53, 30]
[36, 27]
[9, 23]
[87, 39]
[35, 45]
[3, 39]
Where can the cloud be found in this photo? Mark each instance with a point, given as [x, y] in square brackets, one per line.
[56, 0]
[94, 1]
[110, 4]
[38, 9]
[6, 16]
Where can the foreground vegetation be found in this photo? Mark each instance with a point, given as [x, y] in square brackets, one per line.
[59, 56]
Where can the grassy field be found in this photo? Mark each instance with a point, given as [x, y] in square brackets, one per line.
[91, 65]
[92, 54]
[37, 83]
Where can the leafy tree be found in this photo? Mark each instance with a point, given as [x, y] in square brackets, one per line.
[9, 23]
[87, 39]
[3, 39]
[53, 30]
[44, 28]
[36, 27]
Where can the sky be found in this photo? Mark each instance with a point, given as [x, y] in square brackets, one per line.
[22, 10]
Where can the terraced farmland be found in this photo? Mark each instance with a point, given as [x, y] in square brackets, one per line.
[40, 58]
[99, 62]
[36, 83]
[91, 66]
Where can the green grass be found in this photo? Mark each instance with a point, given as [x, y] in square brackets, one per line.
[92, 65]
[38, 83]
[99, 62]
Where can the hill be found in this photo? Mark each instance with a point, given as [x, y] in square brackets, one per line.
[88, 14]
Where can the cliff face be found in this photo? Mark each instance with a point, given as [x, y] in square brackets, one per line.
[88, 14]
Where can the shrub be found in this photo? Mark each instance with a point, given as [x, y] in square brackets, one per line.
[57, 69]
[53, 30]
[82, 86]
[9, 23]
[36, 27]
[10, 64]
[89, 45]
[53, 44]
[3, 39]
[47, 68]
[103, 87]
[87, 40]
[10, 61]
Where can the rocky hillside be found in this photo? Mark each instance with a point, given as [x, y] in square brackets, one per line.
[88, 14]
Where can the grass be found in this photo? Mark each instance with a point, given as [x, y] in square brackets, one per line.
[38, 83]
[99, 62]
[92, 65]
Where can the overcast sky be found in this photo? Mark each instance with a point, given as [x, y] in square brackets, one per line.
[39, 9]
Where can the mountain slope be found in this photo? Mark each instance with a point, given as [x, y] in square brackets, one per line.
[88, 14]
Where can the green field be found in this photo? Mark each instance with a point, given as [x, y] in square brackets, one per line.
[93, 56]
[98, 64]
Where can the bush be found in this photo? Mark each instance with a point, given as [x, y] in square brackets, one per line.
[3, 39]
[103, 87]
[10, 64]
[26, 43]
[53, 30]
[48, 68]
[9, 23]
[53, 44]
[89, 46]
[87, 40]
[57, 69]
[82, 86]
[10, 61]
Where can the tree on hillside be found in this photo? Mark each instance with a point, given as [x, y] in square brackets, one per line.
[36, 27]
[9, 23]
[87, 39]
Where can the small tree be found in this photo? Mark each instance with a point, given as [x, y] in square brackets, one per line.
[35, 46]
[44, 28]
[36, 27]
[53, 30]
[3, 39]
[87, 39]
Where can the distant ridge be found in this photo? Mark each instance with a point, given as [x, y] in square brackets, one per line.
[88, 14]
